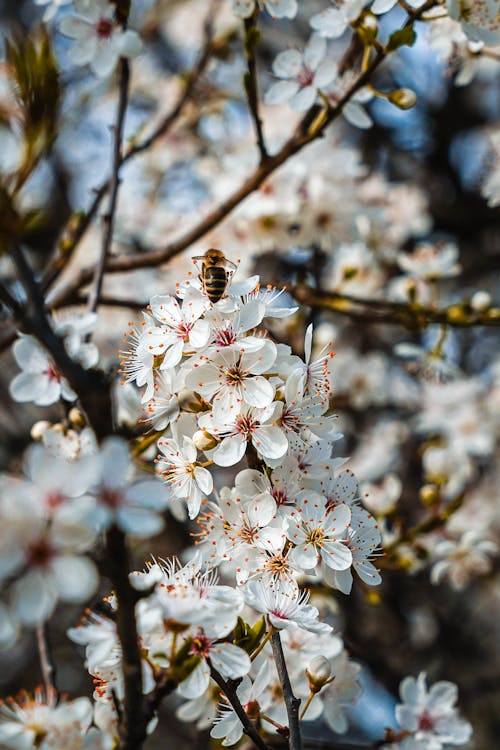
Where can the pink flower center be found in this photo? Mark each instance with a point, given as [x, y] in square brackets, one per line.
[425, 723]
[225, 337]
[183, 330]
[201, 646]
[280, 496]
[39, 554]
[54, 500]
[53, 374]
[246, 425]
[305, 78]
[111, 498]
[104, 28]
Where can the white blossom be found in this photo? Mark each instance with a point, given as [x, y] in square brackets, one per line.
[99, 40]
[303, 73]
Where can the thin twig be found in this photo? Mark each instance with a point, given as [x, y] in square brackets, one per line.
[250, 80]
[46, 664]
[109, 219]
[291, 702]
[232, 696]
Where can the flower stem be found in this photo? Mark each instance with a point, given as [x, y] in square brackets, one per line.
[306, 706]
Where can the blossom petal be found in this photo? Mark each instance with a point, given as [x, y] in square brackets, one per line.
[281, 92]
[287, 64]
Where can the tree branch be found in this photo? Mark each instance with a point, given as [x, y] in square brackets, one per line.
[109, 219]
[291, 702]
[411, 315]
[230, 692]
[134, 720]
[251, 40]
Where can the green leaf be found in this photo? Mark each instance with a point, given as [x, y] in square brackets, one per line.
[400, 38]
[35, 83]
[248, 637]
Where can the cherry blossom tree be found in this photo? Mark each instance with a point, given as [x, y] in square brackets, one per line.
[269, 504]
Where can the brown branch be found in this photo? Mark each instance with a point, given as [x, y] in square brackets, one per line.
[133, 727]
[251, 41]
[46, 665]
[230, 692]
[291, 702]
[411, 315]
[109, 219]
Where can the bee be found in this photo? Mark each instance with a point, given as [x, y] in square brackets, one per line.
[216, 271]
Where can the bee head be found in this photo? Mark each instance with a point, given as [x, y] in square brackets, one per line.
[213, 256]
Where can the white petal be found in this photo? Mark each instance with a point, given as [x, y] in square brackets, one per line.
[270, 441]
[336, 555]
[200, 333]
[304, 556]
[356, 115]
[75, 27]
[29, 355]
[325, 74]
[34, 597]
[303, 99]
[75, 577]
[204, 480]
[281, 92]
[231, 661]
[315, 51]
[258, 391]
[230, 451]
[197, 682]
[149, 493]
[104, 61]
[128, 44]
[287, 64]
[382, 6]
[139, 522]
[330, 23]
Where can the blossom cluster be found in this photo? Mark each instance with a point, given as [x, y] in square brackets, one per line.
[54, 516]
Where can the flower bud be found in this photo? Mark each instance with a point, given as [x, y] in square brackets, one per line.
[76, 418]
[318, 673]
[429, 494]
[480, 301]
[190, 401]
[203, 440]
[403, 98]
[39, 429]
[368, 29]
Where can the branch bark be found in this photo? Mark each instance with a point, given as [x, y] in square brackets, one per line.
[117, 161]
[291, 702]
[230, 692]
[250, 80]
